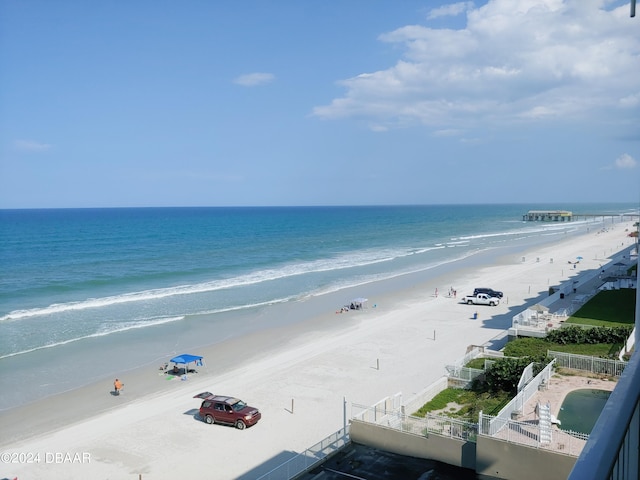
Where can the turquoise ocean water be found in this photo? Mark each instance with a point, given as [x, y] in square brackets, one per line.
[90, 291]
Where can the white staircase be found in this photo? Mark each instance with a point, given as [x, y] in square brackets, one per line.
[544, 423]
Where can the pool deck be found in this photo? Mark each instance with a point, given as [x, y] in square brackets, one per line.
[526, 431]
[558, 388]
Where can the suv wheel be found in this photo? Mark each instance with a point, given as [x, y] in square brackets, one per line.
[240, 425]
[209, 419]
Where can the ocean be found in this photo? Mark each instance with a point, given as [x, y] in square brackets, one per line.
[85, 293]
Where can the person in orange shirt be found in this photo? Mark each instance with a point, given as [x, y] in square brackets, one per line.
[117, 386]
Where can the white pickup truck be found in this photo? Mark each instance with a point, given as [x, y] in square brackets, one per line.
[481, 299]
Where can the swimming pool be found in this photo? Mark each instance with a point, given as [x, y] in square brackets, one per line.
[581, 408]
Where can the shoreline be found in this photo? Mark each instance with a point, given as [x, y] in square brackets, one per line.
[317, 362]
[165, 341]
[46, 371]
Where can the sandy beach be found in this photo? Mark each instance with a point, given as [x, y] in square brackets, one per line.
[298, 375]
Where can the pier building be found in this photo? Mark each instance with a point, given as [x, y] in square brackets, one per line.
[548, 216]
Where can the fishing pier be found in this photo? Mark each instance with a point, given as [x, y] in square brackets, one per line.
[567, 216]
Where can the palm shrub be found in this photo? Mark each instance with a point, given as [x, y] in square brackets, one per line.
[504, 375]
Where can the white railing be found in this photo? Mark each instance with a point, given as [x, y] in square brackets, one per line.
[416, 402]
[430, 424]
[470, 355]
[526, 377]
[492, 354]
[464, 374]
[526, 433]
[629, 344]
[310, 457]
[378, 412]
[603, 366]
[612, 449]
[517, 403]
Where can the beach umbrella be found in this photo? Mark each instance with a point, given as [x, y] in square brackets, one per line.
[539, 309]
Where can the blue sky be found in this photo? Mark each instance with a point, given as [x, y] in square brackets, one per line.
[294, 102]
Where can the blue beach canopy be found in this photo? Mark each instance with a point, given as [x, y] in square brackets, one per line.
[186, 358]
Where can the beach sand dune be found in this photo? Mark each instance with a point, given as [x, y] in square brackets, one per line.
[298, 375]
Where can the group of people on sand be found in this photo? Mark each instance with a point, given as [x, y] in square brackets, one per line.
[451, 293]
[353, 306]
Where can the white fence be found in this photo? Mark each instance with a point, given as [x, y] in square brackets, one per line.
[417, 401]
[629, 344]
[465, 375]
[516, 404]
[470, 355]
[377, 413]
[430, 424]
[602, 366]
[526, 377]
[526, 433]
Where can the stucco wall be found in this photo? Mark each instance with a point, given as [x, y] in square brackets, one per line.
[501, 459]
[447, 450]
[487, 456]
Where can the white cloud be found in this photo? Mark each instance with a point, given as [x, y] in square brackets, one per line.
[449, 132]
[450, 10]
[30, 146]
[525, 60]
[630, 101]
[254, 79]
[625, 161]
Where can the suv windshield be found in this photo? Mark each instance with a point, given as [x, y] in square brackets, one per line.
[239, 405]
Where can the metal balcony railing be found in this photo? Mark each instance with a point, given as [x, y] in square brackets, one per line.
[613, 448]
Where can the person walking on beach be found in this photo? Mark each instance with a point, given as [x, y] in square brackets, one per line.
[117, 386]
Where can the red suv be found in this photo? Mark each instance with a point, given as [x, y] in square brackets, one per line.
[228, 410]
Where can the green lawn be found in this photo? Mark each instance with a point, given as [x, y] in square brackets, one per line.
[471, 404]
[476, 363]
[609, 308]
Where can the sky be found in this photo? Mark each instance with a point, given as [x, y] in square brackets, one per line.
[316, 102]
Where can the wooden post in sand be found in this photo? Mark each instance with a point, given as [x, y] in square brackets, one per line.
[292, 405]
[377, 363]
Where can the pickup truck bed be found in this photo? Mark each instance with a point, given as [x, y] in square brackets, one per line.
[481, 299]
